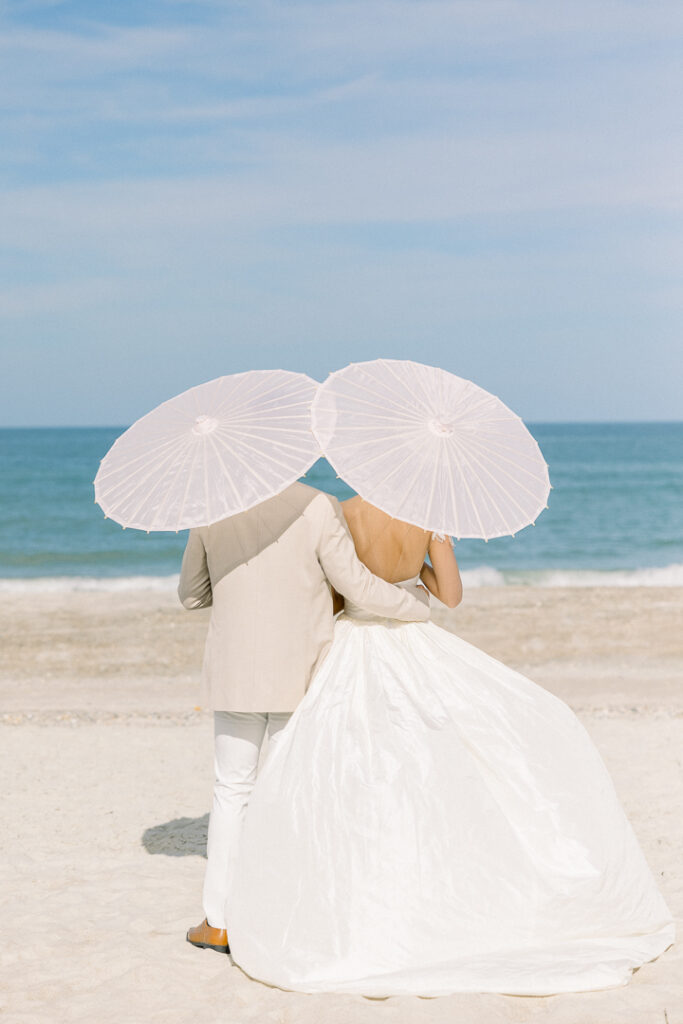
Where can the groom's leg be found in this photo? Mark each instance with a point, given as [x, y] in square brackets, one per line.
[238, 739]
[276, 722]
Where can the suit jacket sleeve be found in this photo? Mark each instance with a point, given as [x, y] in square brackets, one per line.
[347, 574]
[194, 589]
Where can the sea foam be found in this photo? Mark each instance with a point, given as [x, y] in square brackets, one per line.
[481, 576]
[76, 584]
[661, 576]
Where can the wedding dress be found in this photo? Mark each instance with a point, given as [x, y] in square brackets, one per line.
[434, 822]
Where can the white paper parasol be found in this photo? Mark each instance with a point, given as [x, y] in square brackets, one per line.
[213, 451]
[431, 448]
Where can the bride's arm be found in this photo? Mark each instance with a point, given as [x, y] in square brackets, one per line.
[442, 577]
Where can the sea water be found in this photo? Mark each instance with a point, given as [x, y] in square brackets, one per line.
[615, 514]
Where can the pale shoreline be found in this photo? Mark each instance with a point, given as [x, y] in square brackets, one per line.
[106, 772]
[140, 652]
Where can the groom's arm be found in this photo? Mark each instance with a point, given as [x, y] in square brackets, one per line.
[194, 589]
[347, 574]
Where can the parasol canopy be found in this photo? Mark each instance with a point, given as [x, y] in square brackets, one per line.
[213, 451]
[431, 448]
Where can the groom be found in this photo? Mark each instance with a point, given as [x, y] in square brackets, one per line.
[267, 573]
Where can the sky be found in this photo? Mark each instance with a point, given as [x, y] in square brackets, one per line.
[194, 189]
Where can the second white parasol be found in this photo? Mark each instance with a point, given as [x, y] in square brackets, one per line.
[215, 450]
[431, 448]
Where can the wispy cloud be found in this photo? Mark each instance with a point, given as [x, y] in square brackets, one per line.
[397, 180]
[293, 169]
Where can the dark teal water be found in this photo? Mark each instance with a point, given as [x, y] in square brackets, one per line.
[617, 504]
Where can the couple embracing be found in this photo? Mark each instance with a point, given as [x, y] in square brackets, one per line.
[426, 820]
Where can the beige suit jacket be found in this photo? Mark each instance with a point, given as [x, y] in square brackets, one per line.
[266, 573]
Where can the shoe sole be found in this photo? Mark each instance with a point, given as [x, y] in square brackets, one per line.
[207, 945]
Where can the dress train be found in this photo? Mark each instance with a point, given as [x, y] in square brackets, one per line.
[434, 822]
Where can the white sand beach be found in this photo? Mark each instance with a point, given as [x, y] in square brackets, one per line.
[106, 774]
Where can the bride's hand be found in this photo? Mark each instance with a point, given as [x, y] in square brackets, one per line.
[442, 577]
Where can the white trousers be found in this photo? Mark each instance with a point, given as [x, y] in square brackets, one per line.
[238, 740]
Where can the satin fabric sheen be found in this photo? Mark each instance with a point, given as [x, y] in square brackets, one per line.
[434, 822]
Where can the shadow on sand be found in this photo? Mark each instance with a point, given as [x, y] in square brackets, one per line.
[182, 837]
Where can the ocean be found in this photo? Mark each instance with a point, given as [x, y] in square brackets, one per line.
[615, 514]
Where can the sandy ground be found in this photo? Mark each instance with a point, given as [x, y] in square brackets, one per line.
[105, 767]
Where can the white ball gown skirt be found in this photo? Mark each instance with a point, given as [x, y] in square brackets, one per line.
[434, 822]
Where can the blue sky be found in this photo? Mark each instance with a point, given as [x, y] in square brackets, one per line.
[192, 189]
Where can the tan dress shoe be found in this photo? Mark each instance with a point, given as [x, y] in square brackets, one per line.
[207, 937]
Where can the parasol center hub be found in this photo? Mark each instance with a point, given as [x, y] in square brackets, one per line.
[440, 428]
[204, 425]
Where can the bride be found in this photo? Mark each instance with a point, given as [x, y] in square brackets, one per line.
[434, 822]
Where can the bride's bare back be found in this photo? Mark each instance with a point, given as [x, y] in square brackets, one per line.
[390, 548]
[396, 551]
